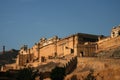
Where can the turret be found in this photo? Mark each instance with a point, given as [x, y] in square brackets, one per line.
[3, 49]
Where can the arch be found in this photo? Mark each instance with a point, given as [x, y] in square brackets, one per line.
[118, 33]
[42, 59]
[27, 61]
[55, 54]
[113, 34]
[81, 54]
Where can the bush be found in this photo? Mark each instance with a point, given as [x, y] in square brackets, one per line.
[25, 74]
[58, 73]
[90, 76]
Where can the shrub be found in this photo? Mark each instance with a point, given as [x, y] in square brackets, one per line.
[25, 74]
[58, 73]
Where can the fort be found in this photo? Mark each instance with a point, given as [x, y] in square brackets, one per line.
[57, 49]
[80, 44]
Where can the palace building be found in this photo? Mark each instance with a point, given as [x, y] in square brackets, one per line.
[78, 44]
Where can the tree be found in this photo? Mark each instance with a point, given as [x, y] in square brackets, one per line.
[58, 73]
[25, 74]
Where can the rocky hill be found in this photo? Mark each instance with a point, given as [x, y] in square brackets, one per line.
[8, 57]
[96, 69]
[105, 66]
[111, 53]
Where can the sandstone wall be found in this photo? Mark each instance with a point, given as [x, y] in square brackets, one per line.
[34, 51]
[23, 59]
[65, 46]
[48, 50]
[56, 47]
[86, 50]
[108, 43]
[67, 64]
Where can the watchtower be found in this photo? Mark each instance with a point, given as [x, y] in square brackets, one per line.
[115, 31]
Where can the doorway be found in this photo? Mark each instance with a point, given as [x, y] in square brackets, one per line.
[81, 54]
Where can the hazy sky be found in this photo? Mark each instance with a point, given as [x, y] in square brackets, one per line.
[26, 21]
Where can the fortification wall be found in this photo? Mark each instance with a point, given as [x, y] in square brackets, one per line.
[65, 46]
[108, 43]
[67, 64]
[34, 51]
[48, 50]
[23, 59]
[86, 50]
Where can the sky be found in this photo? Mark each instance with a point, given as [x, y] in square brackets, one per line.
[26, 21]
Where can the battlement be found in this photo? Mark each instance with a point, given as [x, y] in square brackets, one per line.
[44, 41]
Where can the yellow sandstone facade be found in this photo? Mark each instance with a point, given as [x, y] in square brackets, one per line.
[78, 44]
[111, 42]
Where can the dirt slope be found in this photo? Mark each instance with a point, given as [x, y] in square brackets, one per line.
[96, 69]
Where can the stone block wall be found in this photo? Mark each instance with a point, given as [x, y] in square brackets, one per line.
[86, 50]
[108, 43]
[23, 59]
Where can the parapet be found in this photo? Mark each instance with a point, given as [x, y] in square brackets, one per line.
[45, 41]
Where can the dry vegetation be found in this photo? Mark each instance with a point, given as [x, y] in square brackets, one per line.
[8, 57]
[96, 69]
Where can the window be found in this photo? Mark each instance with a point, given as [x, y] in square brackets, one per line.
[113, 34]
[42, 59]
[119, 33]
[72, 50]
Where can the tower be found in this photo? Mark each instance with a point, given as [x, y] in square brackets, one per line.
[3, 49]
[115, 31]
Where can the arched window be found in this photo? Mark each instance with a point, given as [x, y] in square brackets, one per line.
[113, 34]
[81, 54]
[27, 61]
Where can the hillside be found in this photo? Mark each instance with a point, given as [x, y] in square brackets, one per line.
[96, 69]
[111, 53]
[8, 57]
[105, 66]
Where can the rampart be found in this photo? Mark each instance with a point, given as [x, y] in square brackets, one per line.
[67, 63]
[79, 44]
[108, 43]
